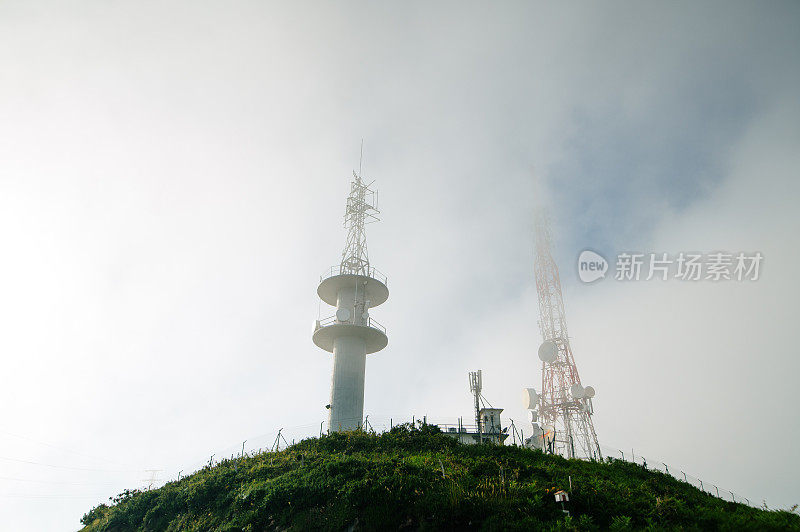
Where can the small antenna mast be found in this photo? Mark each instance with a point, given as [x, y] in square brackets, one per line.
[361, 157]
[475, 386]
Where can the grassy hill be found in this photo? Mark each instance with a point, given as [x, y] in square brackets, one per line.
[417, 478]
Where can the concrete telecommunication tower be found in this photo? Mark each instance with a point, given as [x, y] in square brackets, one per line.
[353, 287]
[565, 406]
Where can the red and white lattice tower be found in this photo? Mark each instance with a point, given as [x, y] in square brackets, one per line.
[565, 406]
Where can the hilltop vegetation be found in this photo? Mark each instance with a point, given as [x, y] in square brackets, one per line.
[417, 478]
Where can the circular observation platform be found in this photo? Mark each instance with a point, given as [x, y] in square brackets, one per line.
[327, 330]
[335, 279]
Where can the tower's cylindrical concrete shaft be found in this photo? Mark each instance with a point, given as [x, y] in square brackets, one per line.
[347, 383]
[351, 334]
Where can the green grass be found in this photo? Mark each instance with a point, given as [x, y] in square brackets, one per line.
[419, 479]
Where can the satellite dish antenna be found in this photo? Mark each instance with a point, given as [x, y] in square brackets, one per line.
[343, 314]
[548, 351]
[530, 398]
[577, 391]
[588, 392]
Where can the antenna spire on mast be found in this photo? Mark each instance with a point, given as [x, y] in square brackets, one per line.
[361, 157]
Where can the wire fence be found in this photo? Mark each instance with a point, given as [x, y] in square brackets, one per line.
[286, 436]
[677, 472]
[83, 480]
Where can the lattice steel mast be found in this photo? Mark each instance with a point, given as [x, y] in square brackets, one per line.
[361, 209]
[565, 408]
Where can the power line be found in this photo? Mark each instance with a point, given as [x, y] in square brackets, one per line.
[20, 496]
[18, 460]
[59, 482]
[57, 448]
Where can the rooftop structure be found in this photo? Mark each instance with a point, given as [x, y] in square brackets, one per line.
[487, 427]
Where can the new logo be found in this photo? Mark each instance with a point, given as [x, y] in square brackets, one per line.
[591, 266]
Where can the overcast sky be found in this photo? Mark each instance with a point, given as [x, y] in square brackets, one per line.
[172, 183]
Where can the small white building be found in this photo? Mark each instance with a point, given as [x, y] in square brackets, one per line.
[489, 431]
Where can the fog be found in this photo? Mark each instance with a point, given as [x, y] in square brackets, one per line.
[172, 184]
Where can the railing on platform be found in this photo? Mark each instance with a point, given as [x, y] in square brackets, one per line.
[339, 270]
[473, 429]
[369, 322]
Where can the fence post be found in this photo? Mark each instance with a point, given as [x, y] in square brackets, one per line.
[513, 432]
